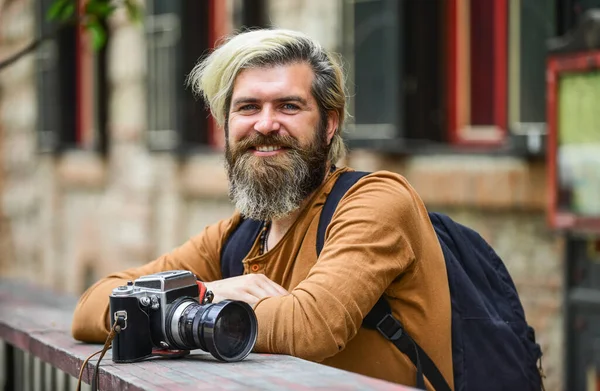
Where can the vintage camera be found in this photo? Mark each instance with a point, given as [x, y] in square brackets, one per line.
[162, 314]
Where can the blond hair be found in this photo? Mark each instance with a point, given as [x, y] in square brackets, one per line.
[214, 76]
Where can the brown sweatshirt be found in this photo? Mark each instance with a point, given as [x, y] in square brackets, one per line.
[379, 241]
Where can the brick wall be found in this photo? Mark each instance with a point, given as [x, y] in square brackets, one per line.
[78, 217]
[18, 145]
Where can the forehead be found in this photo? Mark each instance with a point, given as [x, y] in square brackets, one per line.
[295, 78]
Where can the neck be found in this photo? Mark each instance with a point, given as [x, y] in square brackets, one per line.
[280, 226]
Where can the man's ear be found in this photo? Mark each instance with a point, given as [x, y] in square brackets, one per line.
[333, 121]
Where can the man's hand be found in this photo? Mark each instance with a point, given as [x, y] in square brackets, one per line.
[249, 288]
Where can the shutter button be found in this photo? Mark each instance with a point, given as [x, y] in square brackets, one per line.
[255, 267]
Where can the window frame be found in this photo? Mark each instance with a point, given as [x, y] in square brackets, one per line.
[218, 22]
[62, 65]
[460, 130]
[457, 135]
[218, 27]
[557, 64]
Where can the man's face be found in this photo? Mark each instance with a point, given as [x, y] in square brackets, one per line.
[277, 141]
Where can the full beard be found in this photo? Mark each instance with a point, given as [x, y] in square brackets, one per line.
[272, 187]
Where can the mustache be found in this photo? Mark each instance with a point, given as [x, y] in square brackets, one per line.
[258, 139]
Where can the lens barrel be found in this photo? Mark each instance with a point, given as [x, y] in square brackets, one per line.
[227, 329]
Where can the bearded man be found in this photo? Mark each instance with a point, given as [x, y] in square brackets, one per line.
[280, 98]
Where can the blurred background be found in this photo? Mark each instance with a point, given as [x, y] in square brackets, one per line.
[489, 107]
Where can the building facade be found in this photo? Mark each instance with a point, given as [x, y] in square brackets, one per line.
[107, 160]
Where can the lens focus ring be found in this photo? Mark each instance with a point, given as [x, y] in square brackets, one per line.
[173, 330]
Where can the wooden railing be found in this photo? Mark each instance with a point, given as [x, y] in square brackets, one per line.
[38, 353]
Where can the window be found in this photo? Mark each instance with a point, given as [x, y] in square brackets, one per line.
[570, 11]
[375, 68]
[175, 119]
[179, 33]
[248, 14]
[573, 90]
[477, 71]
[429, 71]
[531, 24]
[423, 75]
[72, 85]
[439, 73]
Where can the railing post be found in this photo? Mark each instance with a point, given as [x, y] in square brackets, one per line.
[9, 367]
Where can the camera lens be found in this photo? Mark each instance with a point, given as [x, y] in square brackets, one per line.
[226, 329]
[232, 329]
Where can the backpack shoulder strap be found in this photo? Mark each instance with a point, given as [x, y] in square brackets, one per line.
[380, 317]
[237, 246]
[341, 186]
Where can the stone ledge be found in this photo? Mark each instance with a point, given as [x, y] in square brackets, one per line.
[81, 169]
[474, 181]
[488, 182]
[204, 176]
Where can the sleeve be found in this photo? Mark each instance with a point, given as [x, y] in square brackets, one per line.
[369, 243]
[200, 255]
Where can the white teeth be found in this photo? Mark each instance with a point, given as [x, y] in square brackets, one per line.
[269, 148]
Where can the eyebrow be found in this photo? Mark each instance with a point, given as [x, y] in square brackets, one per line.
[290, 98]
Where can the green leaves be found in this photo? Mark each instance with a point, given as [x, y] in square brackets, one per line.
[61, 10]
[97, 33]
[101, 9]
[93, 15]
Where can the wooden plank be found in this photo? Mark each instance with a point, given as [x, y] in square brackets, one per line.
[38, 322]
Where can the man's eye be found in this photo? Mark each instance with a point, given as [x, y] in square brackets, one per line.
[248, 108]
[290, 107]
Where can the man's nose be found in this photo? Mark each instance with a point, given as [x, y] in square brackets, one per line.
[267, 122]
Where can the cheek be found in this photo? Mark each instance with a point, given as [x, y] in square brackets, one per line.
[238, 127]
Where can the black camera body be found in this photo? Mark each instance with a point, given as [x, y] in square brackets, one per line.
[161, 314]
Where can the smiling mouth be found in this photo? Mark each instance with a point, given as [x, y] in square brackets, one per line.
[268, 148]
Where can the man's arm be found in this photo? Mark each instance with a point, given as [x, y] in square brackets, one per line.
[249, 288]
[200, 255]
[372, 240]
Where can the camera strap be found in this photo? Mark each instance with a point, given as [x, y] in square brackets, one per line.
[115, 329]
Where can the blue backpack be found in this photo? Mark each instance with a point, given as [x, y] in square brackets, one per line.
[493, 347]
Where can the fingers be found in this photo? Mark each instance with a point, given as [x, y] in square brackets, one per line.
[277, 289]
[269, 287]
[239, 296]
[249, 288]
[261, 292]
[247, 298]
[261, 287]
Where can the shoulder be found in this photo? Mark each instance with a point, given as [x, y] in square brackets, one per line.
[383, 190]
[387, 204]
[382, 212]
[384, 178]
